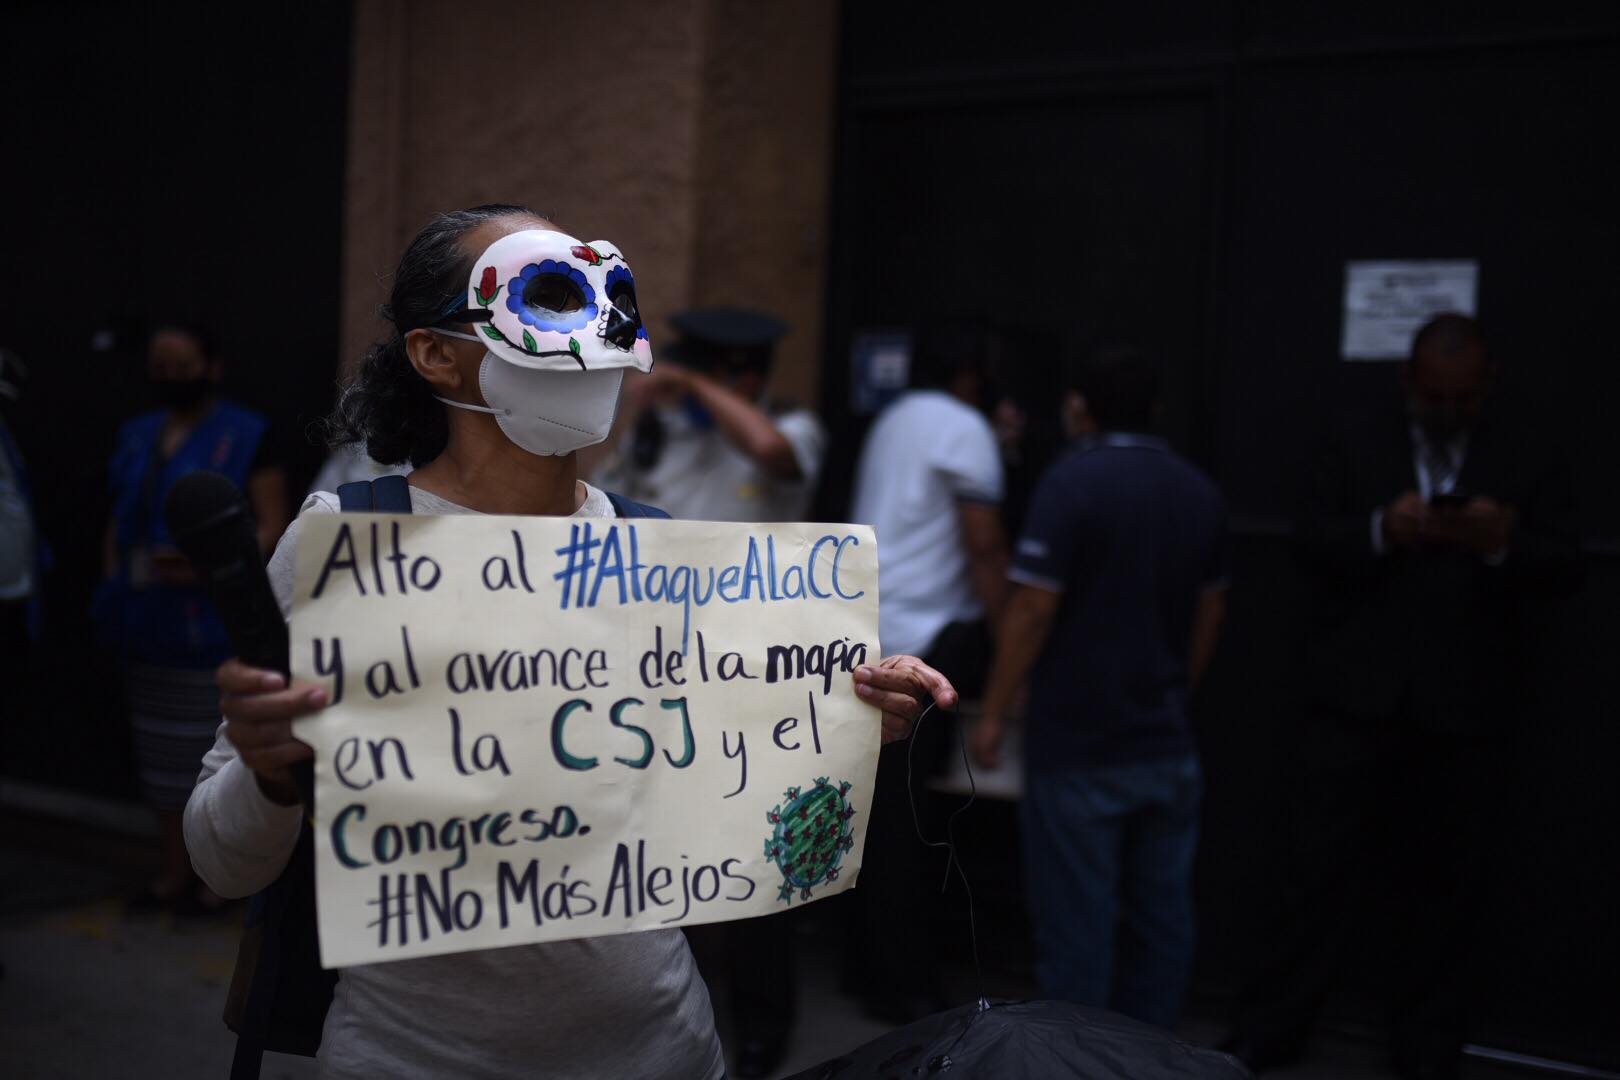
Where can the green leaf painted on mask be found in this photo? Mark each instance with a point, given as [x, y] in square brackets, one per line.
[528, 342]
[493, 333]
[573, 346]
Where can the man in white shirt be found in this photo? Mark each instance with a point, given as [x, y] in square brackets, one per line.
[930, 483]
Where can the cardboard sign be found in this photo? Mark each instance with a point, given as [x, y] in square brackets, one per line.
[547, 728]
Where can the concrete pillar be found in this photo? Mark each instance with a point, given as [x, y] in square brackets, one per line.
[695, 135]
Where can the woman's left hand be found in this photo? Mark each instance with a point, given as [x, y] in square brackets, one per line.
[902, 686]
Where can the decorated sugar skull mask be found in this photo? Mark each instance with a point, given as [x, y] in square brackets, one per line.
[559, 323]
[555, 303]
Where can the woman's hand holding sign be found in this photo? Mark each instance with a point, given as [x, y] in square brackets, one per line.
[259, 709]
[902, 686]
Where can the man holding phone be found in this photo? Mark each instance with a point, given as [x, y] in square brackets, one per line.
[1447, 380]
[1432, 532]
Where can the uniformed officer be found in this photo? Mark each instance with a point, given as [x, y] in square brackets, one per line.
[703, 442]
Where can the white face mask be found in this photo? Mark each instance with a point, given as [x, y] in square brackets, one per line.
[546, 412]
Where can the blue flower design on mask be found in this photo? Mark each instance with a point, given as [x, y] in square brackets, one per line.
[618, 274]
[559, 322]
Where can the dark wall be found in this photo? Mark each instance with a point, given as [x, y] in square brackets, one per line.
[1194, 177]
[164, 161]
[1491, 153]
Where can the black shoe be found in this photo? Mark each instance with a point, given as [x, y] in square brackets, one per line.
[1260, 1055]
[760, 1057]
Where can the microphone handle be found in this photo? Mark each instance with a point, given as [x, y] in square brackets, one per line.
[252, 618]
[241, 594]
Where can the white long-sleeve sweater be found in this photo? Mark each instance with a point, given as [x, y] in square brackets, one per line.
[629, 1005]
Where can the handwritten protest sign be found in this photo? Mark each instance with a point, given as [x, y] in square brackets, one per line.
[547, 728]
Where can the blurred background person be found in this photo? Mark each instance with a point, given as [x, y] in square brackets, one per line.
[698, 436]
[22, 555]
[930, 483]
[151, 607]
[18, 540]
[1429, 529]
[1120, 588]
[705, 444]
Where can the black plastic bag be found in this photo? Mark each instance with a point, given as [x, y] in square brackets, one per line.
[1028, 1040]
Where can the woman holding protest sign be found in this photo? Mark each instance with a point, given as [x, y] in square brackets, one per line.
[490, 420]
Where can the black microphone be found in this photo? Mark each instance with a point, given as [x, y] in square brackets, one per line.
[212, 526]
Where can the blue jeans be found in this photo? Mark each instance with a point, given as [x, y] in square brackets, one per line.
[1108, 859]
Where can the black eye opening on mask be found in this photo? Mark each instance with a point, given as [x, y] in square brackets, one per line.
[555, 293]
[622, 295]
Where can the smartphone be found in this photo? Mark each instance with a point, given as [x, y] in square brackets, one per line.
[1451, 500]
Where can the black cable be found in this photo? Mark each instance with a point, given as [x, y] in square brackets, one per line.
[952, 859]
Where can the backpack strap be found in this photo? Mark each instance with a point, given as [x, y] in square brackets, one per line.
[384, 495]
[391, 495]
[629, 508]
[354, 497]
[287, 992]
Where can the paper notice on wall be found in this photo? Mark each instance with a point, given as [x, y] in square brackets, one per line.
[1386, 302]
[880, 369]
[548, 728]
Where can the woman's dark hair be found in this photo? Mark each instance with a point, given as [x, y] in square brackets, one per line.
[388, 408]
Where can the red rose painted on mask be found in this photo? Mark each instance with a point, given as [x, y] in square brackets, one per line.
[487, 288]
[588, 253]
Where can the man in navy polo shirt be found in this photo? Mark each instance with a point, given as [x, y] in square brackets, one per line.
[1119, 583]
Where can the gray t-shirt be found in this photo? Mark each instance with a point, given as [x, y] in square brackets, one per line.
[628, 1005]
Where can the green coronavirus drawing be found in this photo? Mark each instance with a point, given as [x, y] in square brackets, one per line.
[811, 834]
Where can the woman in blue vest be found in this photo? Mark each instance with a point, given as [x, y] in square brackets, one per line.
[152, 604]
